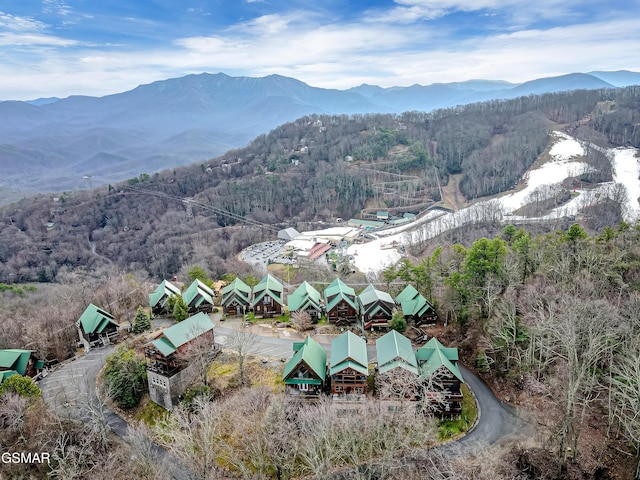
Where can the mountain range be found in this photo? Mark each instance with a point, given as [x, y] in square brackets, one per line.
[78, 142]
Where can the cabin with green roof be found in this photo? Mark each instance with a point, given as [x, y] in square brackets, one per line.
[236, 297]
[305, 298]
[376, 306]
[96, 325]
[397, 367]
[305, 374]
[268, 298]
[198, 297]
[440, 378]
[168, 368]
[22, 362]
[415, 307]
[158, 299]
[349, 366]
[340, 303]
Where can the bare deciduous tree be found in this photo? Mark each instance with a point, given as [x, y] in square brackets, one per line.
[242, 343]
[301, 320]
[625, 392]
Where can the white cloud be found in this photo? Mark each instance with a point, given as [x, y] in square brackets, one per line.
[318, 52]
[24, 39]
[16, 23]
[56, 6]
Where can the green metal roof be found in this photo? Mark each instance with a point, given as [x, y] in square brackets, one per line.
[14, 359]
[94, 319]
[303, 297]
[298, 381]
[311, 353]
[165, 289]
[237, 286]
[349, 364]
[270, 286]
[408, 293]
[6, 374]
[338, 291]
[365, 223]
[237, 291]
[372, 295]
[412, 302]
[199, 292]
[164, 346]
[433, 355]
[180, 333]
[412, 307]
[395, 350]
[349, 350]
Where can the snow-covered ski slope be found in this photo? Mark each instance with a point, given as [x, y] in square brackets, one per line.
[539, 183]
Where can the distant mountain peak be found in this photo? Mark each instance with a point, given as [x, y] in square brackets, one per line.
[151, 127]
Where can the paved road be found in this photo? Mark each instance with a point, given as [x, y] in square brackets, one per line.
[71, 387]
[276, 347]
[497, 421]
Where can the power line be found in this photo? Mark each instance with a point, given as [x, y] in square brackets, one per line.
[204, 206]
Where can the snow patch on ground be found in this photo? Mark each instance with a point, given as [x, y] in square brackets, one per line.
[626, 171]
[541, 183]
[565, 148]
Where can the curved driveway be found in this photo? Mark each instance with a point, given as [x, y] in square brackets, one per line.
[69, 389]
[496, 420]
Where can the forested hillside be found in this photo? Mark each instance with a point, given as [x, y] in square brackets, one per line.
[550, 321]
[548, 314]
[315, 169]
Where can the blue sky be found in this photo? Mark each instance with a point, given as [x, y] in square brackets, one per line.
[98, 47]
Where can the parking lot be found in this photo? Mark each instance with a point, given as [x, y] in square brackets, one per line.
[260, 253]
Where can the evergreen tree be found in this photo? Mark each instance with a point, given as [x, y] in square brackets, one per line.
[180, 310]
[23, 386]
[197, 273]
[125, 377]
[398, 322]
[142, 321]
